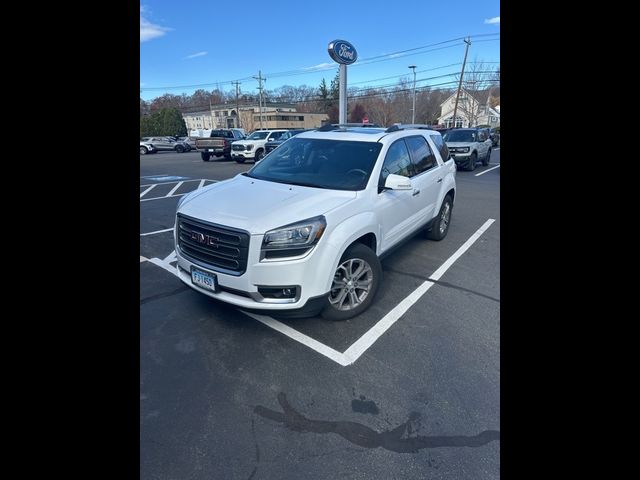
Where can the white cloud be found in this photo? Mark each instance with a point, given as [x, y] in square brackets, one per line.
[148, 30]
[320, 65]
[199, 54]
[493, 21]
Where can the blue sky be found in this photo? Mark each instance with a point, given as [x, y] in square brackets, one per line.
[212, 43]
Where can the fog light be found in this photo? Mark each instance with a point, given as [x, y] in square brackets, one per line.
[278, 292]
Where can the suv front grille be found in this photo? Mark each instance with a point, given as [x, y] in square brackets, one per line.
[237, 148]
[214, 246]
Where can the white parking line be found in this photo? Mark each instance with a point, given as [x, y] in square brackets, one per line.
[173, 190]
[143, 259]
[157, 231]
[201, 184]
[147, 190]
[361, 345]
[176, 181]
[160, 198]
[487, 170]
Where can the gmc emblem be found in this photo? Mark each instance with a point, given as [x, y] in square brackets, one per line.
[205, 239]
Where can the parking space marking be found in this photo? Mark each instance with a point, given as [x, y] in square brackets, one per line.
[147, 190]
[143, 259]
[299, 337]
[157, 231]
[487, 170]
[173, 190]
[171, 194]
[361, 345]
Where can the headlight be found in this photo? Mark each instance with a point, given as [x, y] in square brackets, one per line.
[297, 235]
[464, 149]
[248, 147]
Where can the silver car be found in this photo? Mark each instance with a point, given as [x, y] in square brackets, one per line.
[156, 144]
[468, 145]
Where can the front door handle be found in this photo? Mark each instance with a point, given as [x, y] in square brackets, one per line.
[439, 180]
[416, 192]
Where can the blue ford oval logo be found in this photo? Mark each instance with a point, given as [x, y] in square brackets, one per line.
[342, 51]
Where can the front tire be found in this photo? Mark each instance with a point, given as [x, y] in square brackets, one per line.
[205, 156]
[259, 155]
[143, 150]
[473, 159]
[440, 225]
[179, 148]
[354, 285]
[240, 159]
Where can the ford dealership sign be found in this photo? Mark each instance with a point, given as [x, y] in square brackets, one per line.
[343, 52]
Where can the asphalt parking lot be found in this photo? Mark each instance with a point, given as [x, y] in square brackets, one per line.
[410, 389]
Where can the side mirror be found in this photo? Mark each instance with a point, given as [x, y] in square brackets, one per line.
[398, 182]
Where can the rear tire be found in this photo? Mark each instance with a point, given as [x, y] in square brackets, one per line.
[485, 161]
[205, 156]
[440, 225]
[179, 148]
[354, 285]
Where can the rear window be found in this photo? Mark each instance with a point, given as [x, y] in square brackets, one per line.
[221, 133]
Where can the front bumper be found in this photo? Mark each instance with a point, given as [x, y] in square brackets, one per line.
[242, 290]
[244, 154]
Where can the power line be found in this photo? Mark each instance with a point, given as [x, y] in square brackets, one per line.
[366, 61]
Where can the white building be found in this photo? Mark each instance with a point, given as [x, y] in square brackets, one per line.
[472, 110]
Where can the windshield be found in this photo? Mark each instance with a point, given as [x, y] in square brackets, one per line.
[330, 164]
[258, 136]
[460, 136]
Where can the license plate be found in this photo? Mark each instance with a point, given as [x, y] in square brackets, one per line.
[214, 150]
[205, 280]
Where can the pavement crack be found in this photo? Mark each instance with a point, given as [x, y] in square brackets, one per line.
[162, 295]
[441, 283]
[401, 439]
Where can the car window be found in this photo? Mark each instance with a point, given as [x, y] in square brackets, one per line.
[258, 135]
[276, 135]
[421, 154]
[442, 147]
[397, 162]
[320, 163]
[460, 136]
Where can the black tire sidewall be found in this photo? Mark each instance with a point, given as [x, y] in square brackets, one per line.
[473, 159]
[357, 250]
[143, 150]
[434, 233]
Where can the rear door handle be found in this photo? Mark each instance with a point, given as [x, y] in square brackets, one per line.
[416, 192]
[439, 180]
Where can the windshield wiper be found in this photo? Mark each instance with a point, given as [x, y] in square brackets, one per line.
[304, 184]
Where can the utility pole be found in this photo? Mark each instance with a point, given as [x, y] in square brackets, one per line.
[455, 108]
[260, 80]
[413, 111]
[237, 84]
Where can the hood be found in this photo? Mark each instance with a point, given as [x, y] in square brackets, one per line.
[249, 142]
[258, 206]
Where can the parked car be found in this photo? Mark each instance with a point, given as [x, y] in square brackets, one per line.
[272, 144]
[252, 147]
[191, 142]
[467, 145]
[302, 231]
[157, 144]
[495, 136]
[218, 143]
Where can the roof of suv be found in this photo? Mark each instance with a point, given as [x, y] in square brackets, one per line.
[362, 133]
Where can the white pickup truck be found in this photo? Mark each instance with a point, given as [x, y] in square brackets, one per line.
[252, 148]
[302, 231]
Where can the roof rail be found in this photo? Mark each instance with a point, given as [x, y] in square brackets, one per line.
[406, 126]
[336, 126]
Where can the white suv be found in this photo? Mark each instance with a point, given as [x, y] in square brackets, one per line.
[252, 147]
[302, 231]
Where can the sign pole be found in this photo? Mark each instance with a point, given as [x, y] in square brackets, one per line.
[342, 114]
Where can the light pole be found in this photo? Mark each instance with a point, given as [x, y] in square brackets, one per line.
[413, 111]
